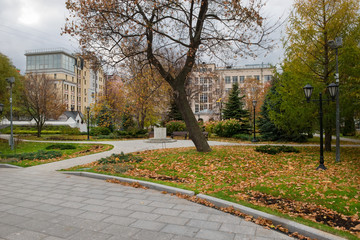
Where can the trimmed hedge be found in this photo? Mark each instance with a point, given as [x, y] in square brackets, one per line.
[269, 149]
[120, 158]
[175, 126]
[35, 155]
[61, 146]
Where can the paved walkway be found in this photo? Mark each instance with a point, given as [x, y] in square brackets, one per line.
[39, 203]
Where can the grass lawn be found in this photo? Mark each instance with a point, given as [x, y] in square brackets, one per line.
[285, 184]
[30, 147]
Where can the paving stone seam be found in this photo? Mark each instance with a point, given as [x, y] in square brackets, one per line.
[290, 225]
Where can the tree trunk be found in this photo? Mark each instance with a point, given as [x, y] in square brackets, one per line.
[191, 123]
[39, 127]
[328, 136]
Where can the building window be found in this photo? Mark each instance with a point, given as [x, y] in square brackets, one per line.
[227, 80]
[204, 88]
[196, 107]
[203, 107]
[257, 77]
[268, 78]
[54, 75]
[235, 79]
[242, 79]
[203, 98]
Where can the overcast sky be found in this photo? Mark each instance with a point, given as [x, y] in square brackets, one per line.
[36, 24]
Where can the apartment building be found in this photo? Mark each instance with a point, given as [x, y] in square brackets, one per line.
[209, 85]
[78, 81]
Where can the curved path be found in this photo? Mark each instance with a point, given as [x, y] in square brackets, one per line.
[40, 203]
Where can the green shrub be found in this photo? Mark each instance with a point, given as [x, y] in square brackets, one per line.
[120, 158]
[244, 137]
[114, 168]
[175, 126]
[269, 149]
[228, 128]
[70, 131]
[35, 155]
[61, 146]
[96, 131]
[209, 126]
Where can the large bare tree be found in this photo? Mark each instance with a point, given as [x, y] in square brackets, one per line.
[41, 99]
[171, 34]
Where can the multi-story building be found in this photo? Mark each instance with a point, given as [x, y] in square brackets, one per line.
[209, 85]
[79, 82]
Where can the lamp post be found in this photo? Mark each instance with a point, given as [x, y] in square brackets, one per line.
[1, 108]
[220, 107]
[254, 105]
[11, 81]
[333, 89]
[335, 45]
[88, 122]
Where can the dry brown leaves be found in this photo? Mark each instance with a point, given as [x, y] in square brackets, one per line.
[313, 212]
[153, 175]
[133, 184]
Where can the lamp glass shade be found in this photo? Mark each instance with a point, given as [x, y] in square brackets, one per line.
[254, 103]
[88, 109]
[308, 89]
[333, 90]
[1, 108]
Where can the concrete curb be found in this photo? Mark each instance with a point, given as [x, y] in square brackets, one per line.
[150, 185]
[4, 165]
[290, 225]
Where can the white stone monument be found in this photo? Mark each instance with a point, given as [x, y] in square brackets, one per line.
[160, 136]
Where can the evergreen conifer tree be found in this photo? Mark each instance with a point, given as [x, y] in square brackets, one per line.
[174, 113]
[234, 108]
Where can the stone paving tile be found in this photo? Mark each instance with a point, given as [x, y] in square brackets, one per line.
[152, 235]
[42, 216]
[203, 224]
[94, 216]
[118, 212]
[6, 229]
[35, 225]
[124, 221]
[72, 204]
[47, 207]
[137, 207]
[118, 230]
[180, 230]
[195, 215]
[62, 231]
[12, 219]
[90, 235]
[144, 216]
[52, 238]
[225, 218]
[4, 207]
[148, 225]
[166, 211]
[70, 211]
[236, 228]
[94, 208]
[173, 220]
[192, 208]
[26, 235]
[139, 202]
[82, 223]
[214, 235]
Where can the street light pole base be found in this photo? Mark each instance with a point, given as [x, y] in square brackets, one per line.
[321, 167]
[254, 140]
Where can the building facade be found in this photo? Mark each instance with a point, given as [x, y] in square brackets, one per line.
[208, 86]
[79, 84]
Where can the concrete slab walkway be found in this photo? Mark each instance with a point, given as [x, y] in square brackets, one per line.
[39, 203]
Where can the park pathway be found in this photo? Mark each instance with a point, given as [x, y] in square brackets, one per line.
[40, 203]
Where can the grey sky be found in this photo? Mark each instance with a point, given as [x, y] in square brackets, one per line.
[36, 24]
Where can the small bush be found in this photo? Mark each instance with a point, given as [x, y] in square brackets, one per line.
[269, 149]
[120, 158]
[96, 131]
[175, 126]
[114, 168]
[35, 155]
[60, 146]
[244, 137]
[229, 128]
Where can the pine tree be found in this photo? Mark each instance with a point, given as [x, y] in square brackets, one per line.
[234, 108]
[174, 113]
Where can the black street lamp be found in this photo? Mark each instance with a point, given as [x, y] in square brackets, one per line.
[1, 108]
[88, 122]
[308, 89]
[336, 44]
[254, 105]
[11, 81]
